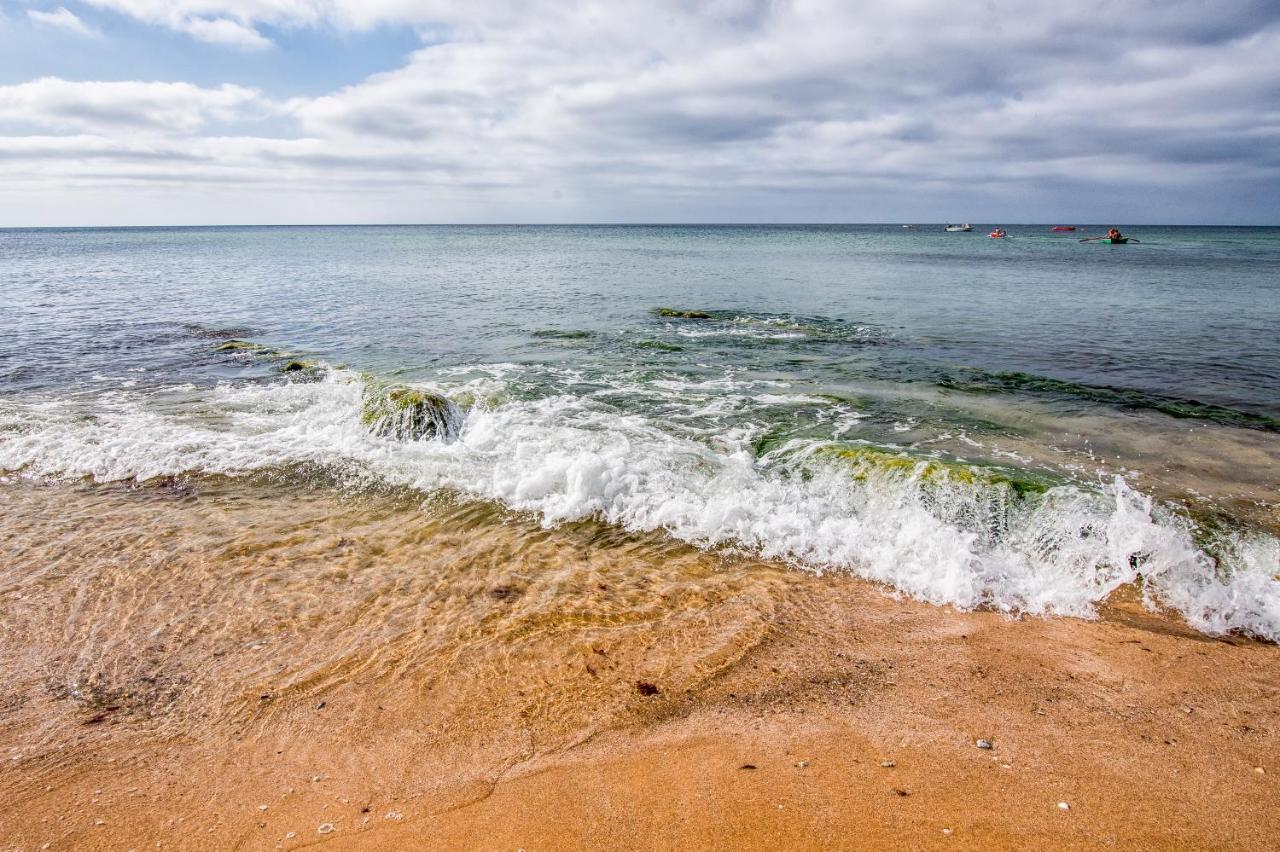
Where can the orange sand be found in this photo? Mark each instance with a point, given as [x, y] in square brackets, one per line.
[201, 667]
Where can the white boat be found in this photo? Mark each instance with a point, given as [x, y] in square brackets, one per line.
[965, 227]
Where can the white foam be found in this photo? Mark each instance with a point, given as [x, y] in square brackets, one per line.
[568, 457]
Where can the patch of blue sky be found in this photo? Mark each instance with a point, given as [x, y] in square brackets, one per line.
[302, 61]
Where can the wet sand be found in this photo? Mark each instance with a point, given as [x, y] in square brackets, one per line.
[212, 665]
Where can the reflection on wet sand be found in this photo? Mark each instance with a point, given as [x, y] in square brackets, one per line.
[209, 664]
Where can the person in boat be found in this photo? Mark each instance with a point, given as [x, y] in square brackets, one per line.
[1114, 235]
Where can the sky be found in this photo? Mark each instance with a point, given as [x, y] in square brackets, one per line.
[154, 112]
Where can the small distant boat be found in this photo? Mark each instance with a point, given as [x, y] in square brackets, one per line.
[912, 227]
[953, 228]
[998, 234]
[1118, 239]
[1063, 228]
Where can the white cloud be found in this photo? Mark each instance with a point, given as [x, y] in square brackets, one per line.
[63, 19]
[740, 109]
[117, 107]
[226, 23]
[225, 31]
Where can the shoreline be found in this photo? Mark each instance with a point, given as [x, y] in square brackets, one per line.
[179, 659]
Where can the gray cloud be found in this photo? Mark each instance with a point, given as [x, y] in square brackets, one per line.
[728, 110]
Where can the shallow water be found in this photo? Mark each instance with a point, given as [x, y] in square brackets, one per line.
[1026, 424]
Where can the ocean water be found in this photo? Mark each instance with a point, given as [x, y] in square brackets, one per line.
[1026, 425]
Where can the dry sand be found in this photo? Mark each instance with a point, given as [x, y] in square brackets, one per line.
[218, 666]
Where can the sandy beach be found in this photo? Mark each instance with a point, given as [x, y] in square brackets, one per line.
[747, 425]
[199, 665]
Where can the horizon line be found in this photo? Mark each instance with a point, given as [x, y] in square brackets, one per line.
[687, 224]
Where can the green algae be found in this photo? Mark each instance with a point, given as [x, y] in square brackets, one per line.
[658, 346]
[410, 414]
[771, 440]
[562, 334]
[865, 462]
[677, 313]
[978, 381]
[297, 366]
[243, 346]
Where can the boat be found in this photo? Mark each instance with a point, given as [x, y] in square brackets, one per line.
[1112, 242]
[998, 234]
[965, 227]
[1063, 228]
[912, 227]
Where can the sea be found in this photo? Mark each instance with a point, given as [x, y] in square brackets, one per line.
[1030, 425]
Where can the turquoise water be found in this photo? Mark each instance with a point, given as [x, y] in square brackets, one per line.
[1024, 424]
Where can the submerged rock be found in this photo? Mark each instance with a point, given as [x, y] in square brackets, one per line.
[658, 346]
[867, 461]
[244, 346]
[562, 334]
[408, 414]
[303, 368]
[675, 313]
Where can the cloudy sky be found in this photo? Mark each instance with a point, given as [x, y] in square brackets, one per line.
[263, 111]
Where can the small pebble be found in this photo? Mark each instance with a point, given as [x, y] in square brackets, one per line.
[1259, 770]
[888, 764]
[985, 744]
[394, 815]
[947, 832]
[802, 764]
[291, 835]
[99, 822]
[1063, 806]
[325, 828]
[262, 807]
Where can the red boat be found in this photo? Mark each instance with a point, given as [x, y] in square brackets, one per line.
[998, 233]
[1063, 228]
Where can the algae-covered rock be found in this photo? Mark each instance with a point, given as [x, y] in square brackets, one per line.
[307, 368]
[562, 334]
[242, 346]
[675, 313]
[409, 414]
[976, 498]
[870, 461]
[658, 346]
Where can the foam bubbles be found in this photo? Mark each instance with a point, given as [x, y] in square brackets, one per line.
[566, 457]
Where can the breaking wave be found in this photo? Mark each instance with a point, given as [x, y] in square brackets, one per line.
[947, 533]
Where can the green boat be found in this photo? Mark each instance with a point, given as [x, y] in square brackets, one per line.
[1118, 242]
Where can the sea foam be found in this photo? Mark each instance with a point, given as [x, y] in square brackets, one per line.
[565, 457]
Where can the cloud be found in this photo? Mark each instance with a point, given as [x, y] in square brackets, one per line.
[738, 109]
[225, 31]
[117, 107]
[230, 24]
[64, 19]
